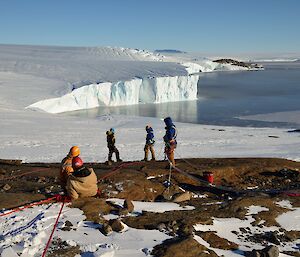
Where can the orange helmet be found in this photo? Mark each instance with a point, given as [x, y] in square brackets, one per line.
[74, 151]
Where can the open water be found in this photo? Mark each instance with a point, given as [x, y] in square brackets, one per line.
[225, 96]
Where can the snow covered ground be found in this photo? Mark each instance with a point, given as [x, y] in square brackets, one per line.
[226, 226]
[26, 233]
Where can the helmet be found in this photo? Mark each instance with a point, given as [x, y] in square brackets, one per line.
[77, 162]
[112, 130]
[74, 151]
[168, 121]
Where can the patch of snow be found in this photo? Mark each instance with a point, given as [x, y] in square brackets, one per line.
[285, 204]
[290, 220]
[225, 227]
[212, 203]
[199, 195]
[152, 177]
[159, 207]
[254, 187]
[255, 209]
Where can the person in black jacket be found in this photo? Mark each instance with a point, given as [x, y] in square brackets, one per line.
[111, 140]
[149, 143]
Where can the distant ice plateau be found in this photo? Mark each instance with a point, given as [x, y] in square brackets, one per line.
[107, 76]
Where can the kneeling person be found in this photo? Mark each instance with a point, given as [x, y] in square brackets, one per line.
[82, 182]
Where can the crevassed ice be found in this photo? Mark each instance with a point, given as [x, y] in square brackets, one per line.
[135, 91]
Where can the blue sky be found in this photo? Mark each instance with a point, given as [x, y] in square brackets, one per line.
[190, 25]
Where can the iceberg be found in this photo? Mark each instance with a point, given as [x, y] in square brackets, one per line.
[135, 91]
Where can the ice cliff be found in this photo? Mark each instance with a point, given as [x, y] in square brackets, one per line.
[135, 91]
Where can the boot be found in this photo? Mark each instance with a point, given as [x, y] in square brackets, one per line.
[118, 155]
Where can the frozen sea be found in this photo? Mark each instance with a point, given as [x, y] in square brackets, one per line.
[223, 97]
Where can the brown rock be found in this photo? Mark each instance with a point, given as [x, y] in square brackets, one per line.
[11, 162]
[179, 247]
[116, 225]
[182, 197]
[186, 230]
[67, 226]
[92, 207]
[128, 205]
[41, 180]
[216, 241]
[6, 187]
[271, 251]
[2, 171]
[253, 253]
[123, 212]
[106, 229]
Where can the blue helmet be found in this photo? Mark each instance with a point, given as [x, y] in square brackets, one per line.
[112, 130]
[168, 121]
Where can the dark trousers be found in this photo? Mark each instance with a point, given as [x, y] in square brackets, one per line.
[112, 150]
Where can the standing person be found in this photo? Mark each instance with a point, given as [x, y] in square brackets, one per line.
[170, 140]
[149, 143]
[67, 168]
[82, 182]
[111, 140]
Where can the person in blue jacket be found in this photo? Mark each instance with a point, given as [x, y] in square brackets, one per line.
[149, 143]
[170, 139]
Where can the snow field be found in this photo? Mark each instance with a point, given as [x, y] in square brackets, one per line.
[25, 233]
[225, 226]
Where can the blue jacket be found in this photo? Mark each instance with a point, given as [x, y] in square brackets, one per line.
[171, 132]
[150, 136]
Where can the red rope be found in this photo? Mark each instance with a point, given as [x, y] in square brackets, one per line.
[28, 206]
[116, 169]
[54, 227]
[292, 194]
